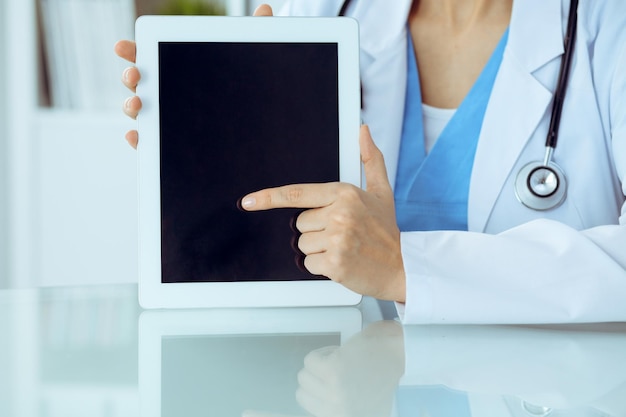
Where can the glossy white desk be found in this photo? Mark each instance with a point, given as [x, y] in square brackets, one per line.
[91, 352]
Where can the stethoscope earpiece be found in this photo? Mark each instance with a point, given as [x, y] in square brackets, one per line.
[541, 186]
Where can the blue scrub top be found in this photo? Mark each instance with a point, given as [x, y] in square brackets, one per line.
[432, 191]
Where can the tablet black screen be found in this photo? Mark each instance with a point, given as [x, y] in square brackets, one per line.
[236, 118]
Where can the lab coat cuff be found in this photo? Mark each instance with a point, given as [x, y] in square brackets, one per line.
[400, 309]
[418, 307]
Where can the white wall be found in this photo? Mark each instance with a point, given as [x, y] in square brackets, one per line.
[20, 73]
[3, 151]
[67, 191]
[69, 194]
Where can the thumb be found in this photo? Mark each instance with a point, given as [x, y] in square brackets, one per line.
[373, 163]
[264, 10]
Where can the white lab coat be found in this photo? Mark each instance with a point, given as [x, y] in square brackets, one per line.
[516, 264]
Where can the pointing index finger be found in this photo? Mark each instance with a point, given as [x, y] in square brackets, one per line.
[291, 196]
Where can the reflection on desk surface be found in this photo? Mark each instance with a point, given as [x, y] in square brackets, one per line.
[78, 352]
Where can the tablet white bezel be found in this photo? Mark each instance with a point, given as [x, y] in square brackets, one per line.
[150, 30]
[155, 325]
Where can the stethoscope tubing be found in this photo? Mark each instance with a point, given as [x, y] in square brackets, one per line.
[561, 89]
[344, 8]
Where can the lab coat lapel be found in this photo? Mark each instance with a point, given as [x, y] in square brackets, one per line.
[383, 73]
[518, 102]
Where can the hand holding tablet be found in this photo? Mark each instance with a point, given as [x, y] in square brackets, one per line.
[232, 105]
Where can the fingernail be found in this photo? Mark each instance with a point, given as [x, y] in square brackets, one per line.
[248, 202]
[125, 74]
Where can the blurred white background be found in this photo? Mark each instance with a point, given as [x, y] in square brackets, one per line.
[68, 210]
[3, 148]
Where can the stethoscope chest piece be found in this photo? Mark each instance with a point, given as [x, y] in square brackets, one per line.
[541, 186]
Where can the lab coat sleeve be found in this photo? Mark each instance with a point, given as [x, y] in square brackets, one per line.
[538, 272]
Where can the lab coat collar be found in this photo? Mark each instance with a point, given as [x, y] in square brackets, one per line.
[389, 20]
[534, 44]
[383, 72]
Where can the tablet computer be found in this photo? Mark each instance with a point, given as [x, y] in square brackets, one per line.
[221, 362]
[232, 105]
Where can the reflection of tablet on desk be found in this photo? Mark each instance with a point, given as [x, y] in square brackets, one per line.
[231, 106]
[221, 362]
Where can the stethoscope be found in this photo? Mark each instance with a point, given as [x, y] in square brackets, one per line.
[542, 185]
